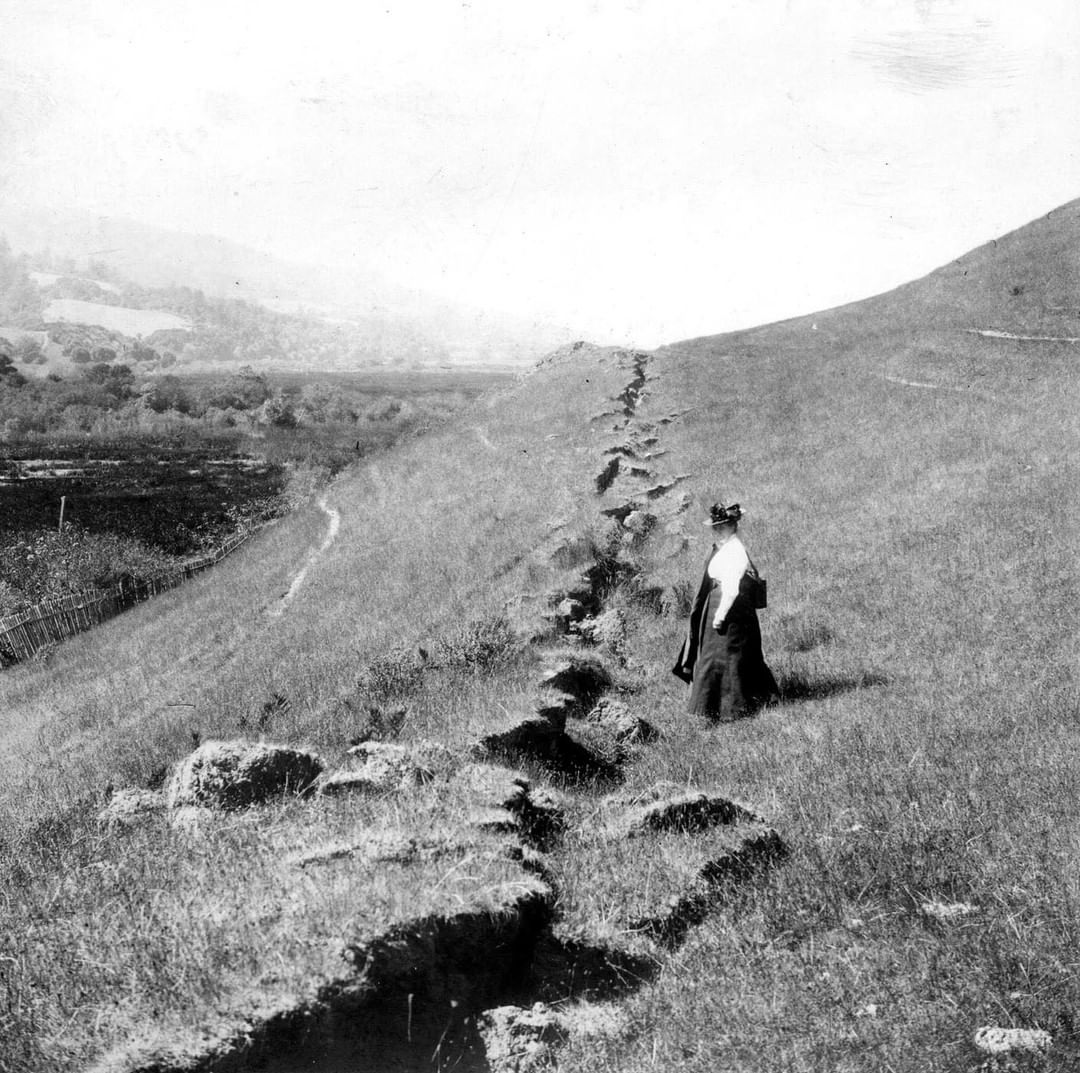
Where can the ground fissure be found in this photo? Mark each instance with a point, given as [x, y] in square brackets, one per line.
[581, 735]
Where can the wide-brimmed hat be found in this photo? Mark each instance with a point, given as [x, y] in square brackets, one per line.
[719, 514]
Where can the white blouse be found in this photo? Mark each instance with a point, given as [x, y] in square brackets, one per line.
[727, 567]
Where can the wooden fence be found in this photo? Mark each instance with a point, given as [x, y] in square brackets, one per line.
[24, 633]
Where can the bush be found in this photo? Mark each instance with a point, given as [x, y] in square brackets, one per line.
[278, 411]
[28, 351]
[386, 410]
[394, 675]
[46, 565]
[479, 645]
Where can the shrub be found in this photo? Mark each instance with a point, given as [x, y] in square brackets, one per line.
[479, 645]
[680, 599]
[398, 673]
[45, 565]
[278, 411]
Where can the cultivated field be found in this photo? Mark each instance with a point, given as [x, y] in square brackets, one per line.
[133, 322]
[911, 488]
[163, 494]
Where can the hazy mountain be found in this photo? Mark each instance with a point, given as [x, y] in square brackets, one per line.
[404, 319]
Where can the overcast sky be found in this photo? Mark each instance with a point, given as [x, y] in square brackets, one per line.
[644, 171]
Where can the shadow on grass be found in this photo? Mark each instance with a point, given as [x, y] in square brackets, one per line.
[716, 881]
[567, 968]
[545, 752]
[797, 687]
[574, 766]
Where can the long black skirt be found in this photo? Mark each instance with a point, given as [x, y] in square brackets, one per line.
[731, 678]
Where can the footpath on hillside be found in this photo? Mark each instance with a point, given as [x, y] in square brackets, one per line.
[334, 524]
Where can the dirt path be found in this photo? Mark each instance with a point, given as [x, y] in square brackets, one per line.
[993, 333]
[911, 383]
[313, 556]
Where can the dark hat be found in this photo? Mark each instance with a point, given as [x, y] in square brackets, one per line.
[718, 513]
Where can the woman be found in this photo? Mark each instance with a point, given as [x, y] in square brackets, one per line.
[721, 656]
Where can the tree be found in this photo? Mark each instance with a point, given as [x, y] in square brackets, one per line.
[320, 402]
[20, 301]
[120, 381]
[278, 411]
[245, 390]
[8, 373]
[141, 352]
[28, 351]
[98, 373]
[168, 393]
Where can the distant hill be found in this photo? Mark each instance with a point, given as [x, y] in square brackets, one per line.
[405, 324]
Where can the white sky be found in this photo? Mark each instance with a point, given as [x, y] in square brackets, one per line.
[643, 171]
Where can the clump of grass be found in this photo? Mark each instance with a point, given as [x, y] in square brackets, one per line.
[395, 675]
[680, 598]
[479, 646]
[804, 635]
[476, 647]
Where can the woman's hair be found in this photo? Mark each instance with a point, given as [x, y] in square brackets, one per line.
[719, 513]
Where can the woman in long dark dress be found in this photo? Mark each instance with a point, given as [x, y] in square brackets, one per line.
[721, 657]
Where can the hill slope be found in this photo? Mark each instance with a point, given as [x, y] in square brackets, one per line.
[912, 494]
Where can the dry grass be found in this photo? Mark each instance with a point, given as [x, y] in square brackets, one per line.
[921, 550]
[163, 929]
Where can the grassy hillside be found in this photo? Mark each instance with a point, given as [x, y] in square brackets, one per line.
[912, 491]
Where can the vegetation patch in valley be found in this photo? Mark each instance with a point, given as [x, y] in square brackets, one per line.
[155, 468]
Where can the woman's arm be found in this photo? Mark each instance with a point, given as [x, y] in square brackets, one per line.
[727, 569]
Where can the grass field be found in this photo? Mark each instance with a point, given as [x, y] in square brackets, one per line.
[912, 493]
[133, 322]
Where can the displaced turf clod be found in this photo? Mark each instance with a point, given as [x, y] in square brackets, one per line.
[381, 767]
[130, 806]
[235, 774]
[1003, 1042]
[581, 678]
[688, 812]
[755, 851]
[518, 1040]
